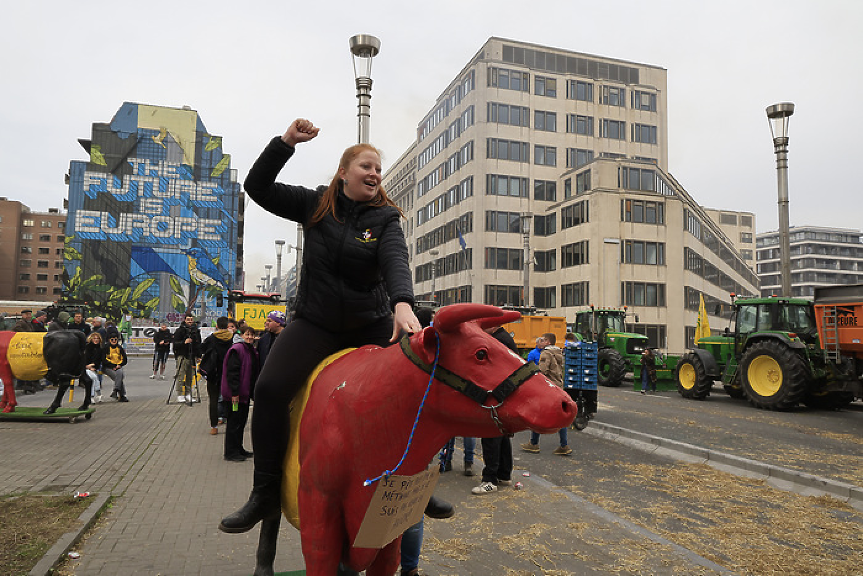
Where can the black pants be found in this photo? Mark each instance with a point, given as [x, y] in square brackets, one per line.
[300, 347]
[497, 455]
[234, 430]
[214, 390]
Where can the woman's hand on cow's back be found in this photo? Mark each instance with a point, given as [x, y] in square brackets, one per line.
[404, 320]
[300, 130]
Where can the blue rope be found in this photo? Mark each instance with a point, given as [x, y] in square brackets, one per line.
[388, 473]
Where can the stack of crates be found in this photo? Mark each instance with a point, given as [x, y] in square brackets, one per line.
[581, 366]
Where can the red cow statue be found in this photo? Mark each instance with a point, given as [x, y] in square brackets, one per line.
[360, 412]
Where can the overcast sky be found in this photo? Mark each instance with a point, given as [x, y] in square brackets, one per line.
[250, 68]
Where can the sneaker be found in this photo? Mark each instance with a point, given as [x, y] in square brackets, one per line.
[214, 431]
[114, 394]
[152, 377]
[562, 450]
[642, 391]
[504, 482]
[484, 488]
[122, 399]
[162, 377]
[181, 398]
[468, 468]
[447, 467]
[528, 447]
[97, 399]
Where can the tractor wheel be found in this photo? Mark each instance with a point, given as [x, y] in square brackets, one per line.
[773, 376]
[692, 379]
[612, 368]
[829, 400]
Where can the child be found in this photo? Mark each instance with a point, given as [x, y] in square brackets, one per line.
[93, 363]
[239, 373]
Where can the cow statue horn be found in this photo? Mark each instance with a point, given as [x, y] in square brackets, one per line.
[449, 318]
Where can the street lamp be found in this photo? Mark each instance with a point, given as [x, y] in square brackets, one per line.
[525, 231]
[363, 48]
[280, 245]
[779, 116]
[433, 253]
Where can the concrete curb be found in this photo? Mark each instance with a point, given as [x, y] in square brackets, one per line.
[777, 476]
[45, 566]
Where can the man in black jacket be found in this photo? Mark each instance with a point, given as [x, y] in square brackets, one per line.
[162, 341]
[187, 351]
[213, 352]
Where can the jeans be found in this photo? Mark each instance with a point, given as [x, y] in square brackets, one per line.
[160, 358]
[412, 543]
[96, 390]
[497, 455]
[645, 381]
[469, 447]
[117, 377]
[534, 437]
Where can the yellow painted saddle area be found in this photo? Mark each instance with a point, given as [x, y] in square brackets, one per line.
[25, 356]
[291, 476]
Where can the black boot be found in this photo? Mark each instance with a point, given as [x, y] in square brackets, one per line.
[264, 502]
[437, 508]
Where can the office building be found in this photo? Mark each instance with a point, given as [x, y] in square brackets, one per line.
[31, 252]
[819, 257]
[560, 160]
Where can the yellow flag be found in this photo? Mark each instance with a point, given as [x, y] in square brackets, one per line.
[702, 329]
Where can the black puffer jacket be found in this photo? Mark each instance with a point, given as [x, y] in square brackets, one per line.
[354, 271]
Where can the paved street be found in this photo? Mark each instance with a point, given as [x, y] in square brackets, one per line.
[608, 508]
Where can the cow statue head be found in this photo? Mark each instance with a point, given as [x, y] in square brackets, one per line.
[513, 395]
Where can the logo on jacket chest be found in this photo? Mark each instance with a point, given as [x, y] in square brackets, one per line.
[366, 237]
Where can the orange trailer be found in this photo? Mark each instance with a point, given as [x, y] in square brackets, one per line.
[839, 317]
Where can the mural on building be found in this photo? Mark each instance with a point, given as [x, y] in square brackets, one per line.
[152, 227]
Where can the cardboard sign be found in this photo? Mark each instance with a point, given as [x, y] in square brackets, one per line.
[398, 503]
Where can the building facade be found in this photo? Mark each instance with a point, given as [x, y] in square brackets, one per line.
[31, 252]
[540, 178]
[819, 257]
[155, 217]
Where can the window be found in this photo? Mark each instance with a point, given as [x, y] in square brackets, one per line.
[41, 290]
[644, 133]
[642, 211]
[545, 225]
[582, 182]
[637, 179]
[27, 223]
[544, 297]
[507, 150]
[746, 254]
[61, 238]
[546, 121]
[58, 251]
[545, 155]
[746, 237]
[545, 190]
[613, 96]
[23, 276]
[26, 236]
[642, 294]
[42, 263]
[61, 226]
[544, 86]
[545, 261]
[643, 101]
[503, 295]
[57, 290]
[504, 258]
[509, 79]
[502, 221]
[25, 263]
[573, 254]
[613, 129]
[44, 237]
[58, 264]
[26, 249]
[497, 185]
[578, 90]
[23, 289]
[578, 157]
[508, 114]
[56, 277]
[44, 250]
[576, 294]
[573, 215]
[638, 252]
[46, 223]
[578, 124]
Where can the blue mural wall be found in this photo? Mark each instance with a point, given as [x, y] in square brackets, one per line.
[153, 219]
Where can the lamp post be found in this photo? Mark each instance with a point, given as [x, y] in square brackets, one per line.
[364, 47]
[434, 254]
[525, 230]
[280, 245]
[779, 116]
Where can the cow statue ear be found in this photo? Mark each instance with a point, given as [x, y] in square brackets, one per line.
[428, 340]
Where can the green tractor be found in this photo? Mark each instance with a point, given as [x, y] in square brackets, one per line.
[619, 351]
[772, 357]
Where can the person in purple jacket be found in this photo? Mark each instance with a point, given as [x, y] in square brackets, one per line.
[239, 372]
